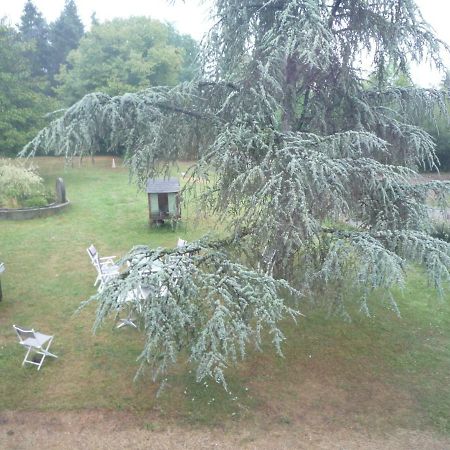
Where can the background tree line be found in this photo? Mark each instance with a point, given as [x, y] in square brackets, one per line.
[439, 127]
[46, 67]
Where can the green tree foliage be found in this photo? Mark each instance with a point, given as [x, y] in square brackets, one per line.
[127, 55]
[65, 34]
[439, 129]
[34, 31]
[292, 143]
[393, 76]
[189, 49]
[23, 103]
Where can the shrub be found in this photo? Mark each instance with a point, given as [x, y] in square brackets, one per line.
[20, 186]
[442, 231]
[36, 200]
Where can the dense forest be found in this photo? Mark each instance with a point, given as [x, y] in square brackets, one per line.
[46, 67]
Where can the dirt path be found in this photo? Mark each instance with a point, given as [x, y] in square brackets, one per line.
[119, 430]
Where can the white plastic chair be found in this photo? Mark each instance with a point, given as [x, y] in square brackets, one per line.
[34, 342]
[94, 256]
[181, 243]
[105, 267]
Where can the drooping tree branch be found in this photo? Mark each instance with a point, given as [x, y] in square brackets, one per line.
[290, 136]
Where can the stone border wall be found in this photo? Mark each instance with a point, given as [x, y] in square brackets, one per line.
[33, 212]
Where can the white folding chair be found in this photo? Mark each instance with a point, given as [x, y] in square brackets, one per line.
[35, 342]
[105, 267]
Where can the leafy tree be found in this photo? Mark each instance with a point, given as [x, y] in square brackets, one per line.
[34, 31]
[94, 20]
[291, 142]
[65, 34]
[190, 50]
[393, 76]
[23, 103]
[439, 130]
[126, 55]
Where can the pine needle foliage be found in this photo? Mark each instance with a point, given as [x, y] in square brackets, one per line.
[201, 302]
[309, 167]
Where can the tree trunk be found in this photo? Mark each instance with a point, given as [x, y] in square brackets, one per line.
[290, 91]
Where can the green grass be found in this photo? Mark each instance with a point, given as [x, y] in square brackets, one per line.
[378, 372]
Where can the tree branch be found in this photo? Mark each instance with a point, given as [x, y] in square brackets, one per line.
[334, 9]
[183, 111]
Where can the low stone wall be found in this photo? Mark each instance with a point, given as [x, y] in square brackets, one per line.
[32, 213]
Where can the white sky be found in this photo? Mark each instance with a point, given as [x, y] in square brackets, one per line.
[191, 18]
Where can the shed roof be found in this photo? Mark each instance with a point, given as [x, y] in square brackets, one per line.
[161, 186]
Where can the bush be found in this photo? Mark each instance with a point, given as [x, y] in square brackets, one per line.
[20, 186]
[36, 200]
[442, 231]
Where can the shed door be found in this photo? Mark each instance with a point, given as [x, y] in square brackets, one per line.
[153, 198]
[163, 202]
[172, 204]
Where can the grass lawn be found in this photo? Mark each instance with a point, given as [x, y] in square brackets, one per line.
[376, 373]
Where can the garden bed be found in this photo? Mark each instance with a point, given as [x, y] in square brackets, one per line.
[32, 212]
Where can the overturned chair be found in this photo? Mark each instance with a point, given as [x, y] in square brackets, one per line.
[132, 296]
[36, 343]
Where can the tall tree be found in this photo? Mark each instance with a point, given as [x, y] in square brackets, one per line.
[126, 55]
[22, 102]
[34, 31]
[190, 52]
[439, 129]
[65, 35]
[94, 20]
[292, 143]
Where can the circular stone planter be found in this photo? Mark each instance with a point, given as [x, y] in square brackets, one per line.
[32, 212]
[39, 211]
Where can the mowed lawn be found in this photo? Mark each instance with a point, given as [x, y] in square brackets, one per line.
[373, 373]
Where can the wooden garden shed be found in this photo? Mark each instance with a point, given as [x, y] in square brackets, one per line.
[163, 199]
